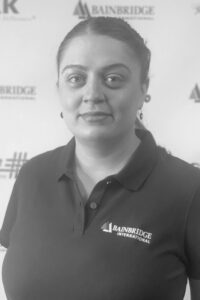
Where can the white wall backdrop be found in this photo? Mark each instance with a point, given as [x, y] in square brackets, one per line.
[30, 32]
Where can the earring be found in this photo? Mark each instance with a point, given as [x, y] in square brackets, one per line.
[61, 115]
[140, 114]
[147, 98]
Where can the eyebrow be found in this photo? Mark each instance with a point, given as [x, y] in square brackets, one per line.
[72, 67]
[111, 66]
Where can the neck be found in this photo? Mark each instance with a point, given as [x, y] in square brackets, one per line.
[104, 158]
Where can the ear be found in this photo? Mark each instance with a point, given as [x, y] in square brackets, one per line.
[145, 87]
[58, 87]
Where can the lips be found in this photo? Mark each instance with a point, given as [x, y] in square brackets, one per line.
[94, 115]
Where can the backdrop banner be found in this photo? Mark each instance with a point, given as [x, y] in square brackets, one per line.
[31, 32]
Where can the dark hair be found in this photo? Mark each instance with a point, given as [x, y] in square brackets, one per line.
[117, 29]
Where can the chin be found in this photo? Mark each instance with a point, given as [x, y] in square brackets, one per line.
[94, 135]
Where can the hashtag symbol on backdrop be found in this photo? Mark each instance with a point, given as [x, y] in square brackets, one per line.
[13, 165]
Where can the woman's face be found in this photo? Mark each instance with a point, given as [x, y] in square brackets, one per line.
[99, 87]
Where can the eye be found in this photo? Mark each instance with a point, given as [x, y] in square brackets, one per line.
[76, 80]
[114, 80]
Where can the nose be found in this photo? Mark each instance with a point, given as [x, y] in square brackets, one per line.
[93, 91]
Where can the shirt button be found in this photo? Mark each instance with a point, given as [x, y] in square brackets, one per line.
[93, 205]
[108, 181]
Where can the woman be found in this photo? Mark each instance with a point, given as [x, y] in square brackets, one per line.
[110, 215]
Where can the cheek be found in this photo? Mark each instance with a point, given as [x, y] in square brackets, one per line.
[126, 104]
[126, 111]
[69, 101]
[133, 99]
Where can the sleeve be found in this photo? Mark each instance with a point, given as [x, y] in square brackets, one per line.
[192, 238]
[11, 213]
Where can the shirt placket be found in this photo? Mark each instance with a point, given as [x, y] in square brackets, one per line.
[85, 213]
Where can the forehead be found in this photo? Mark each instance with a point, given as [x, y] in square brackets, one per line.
[97, 50]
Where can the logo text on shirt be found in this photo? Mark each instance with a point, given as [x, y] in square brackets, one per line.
[128, 232]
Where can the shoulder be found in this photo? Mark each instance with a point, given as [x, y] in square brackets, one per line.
[176, 164]
[42, 164]
[45, 159]
[177, 172]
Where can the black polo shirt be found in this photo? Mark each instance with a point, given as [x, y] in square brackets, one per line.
[138, 236]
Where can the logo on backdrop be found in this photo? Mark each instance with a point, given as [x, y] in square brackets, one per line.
[9, 11]
[195, 94]
[197, 9]
[129, 12]
[82, 11]
[9, 7]
[17, 92]
[9, 167]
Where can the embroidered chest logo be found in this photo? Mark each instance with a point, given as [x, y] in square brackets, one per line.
[128, 232]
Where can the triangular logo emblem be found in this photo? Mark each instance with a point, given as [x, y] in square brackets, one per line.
[107, 227]
[195, 95]
[81, 10]
[197, 9]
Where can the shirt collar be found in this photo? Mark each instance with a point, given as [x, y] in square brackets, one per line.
[141, 163]
[135, 172]
[66, 160]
